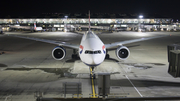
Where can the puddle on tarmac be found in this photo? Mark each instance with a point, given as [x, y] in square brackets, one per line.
[144, 65]
[63, 72]
[3, 65]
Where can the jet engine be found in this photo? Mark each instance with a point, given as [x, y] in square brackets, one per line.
[122, 52]
[58, 53]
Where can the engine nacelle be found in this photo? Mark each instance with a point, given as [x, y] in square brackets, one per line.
[58, 53]
[122, 52]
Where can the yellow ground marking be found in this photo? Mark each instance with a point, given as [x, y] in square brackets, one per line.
[93, 87]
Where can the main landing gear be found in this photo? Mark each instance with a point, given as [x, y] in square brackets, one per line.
[74, 55]
[92, 75]
[107, 55]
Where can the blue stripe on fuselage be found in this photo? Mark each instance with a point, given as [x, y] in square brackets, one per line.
[104, 51]
[81, 51]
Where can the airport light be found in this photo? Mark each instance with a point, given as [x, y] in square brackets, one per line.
[139, 25]
[140, 16]
[66, 17]
[65, 24]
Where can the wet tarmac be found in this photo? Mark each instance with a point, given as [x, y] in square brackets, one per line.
[27, 66]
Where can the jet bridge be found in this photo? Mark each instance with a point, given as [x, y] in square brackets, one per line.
[174, 60]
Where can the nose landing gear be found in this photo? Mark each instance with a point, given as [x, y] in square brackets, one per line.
[92, 75]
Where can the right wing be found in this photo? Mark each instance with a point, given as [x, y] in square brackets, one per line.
[64, 44]
[116, 44]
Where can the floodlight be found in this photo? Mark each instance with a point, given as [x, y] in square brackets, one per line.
[140, 16]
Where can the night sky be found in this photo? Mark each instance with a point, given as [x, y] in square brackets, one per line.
[169, 8]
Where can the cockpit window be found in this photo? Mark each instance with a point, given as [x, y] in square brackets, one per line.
[99, 51]
[86, 52]
[93, 52]
[90, 52]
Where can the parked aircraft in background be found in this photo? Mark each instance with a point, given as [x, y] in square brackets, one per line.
[29, 28]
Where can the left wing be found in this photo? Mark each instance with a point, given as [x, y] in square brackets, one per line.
[116, 44]
[64, 44]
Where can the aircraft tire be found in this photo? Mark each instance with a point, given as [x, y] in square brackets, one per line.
[74, 56]
[107, 56]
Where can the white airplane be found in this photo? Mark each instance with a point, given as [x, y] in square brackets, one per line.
[31, 28]
[92, 51]
[37, 28]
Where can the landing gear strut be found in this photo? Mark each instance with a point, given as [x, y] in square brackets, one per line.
[107, 55]
[92, 75]
[74, 55]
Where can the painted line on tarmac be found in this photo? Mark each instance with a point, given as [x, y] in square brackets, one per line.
[132, 83]
[134, 86]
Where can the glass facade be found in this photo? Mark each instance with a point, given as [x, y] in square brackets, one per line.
[83, 20]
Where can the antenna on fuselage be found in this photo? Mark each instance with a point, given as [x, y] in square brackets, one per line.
[89, 22]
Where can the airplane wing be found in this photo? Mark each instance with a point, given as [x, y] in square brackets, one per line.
[64, 44]
[116, 44]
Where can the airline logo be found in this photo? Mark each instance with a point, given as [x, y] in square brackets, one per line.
[103, 47]
[81, 49]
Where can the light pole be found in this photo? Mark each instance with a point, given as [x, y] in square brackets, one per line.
[65, 24]
[139, 27]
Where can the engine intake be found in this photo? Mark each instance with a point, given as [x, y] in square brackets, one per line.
[58, 53]
[122, 52]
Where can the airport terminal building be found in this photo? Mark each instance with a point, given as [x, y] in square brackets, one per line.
[59, 20]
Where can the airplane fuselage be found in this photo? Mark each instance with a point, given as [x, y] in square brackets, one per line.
[92, 51]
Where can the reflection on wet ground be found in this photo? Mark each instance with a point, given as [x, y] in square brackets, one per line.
[3, 65]
[112, 59]
[63, 72]
[72, 60]
[143, 65]
[144, 83]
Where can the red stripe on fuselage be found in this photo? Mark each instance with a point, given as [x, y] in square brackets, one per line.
[81, 47]
[103, 47]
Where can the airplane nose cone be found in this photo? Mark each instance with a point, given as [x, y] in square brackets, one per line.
[95, 60]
